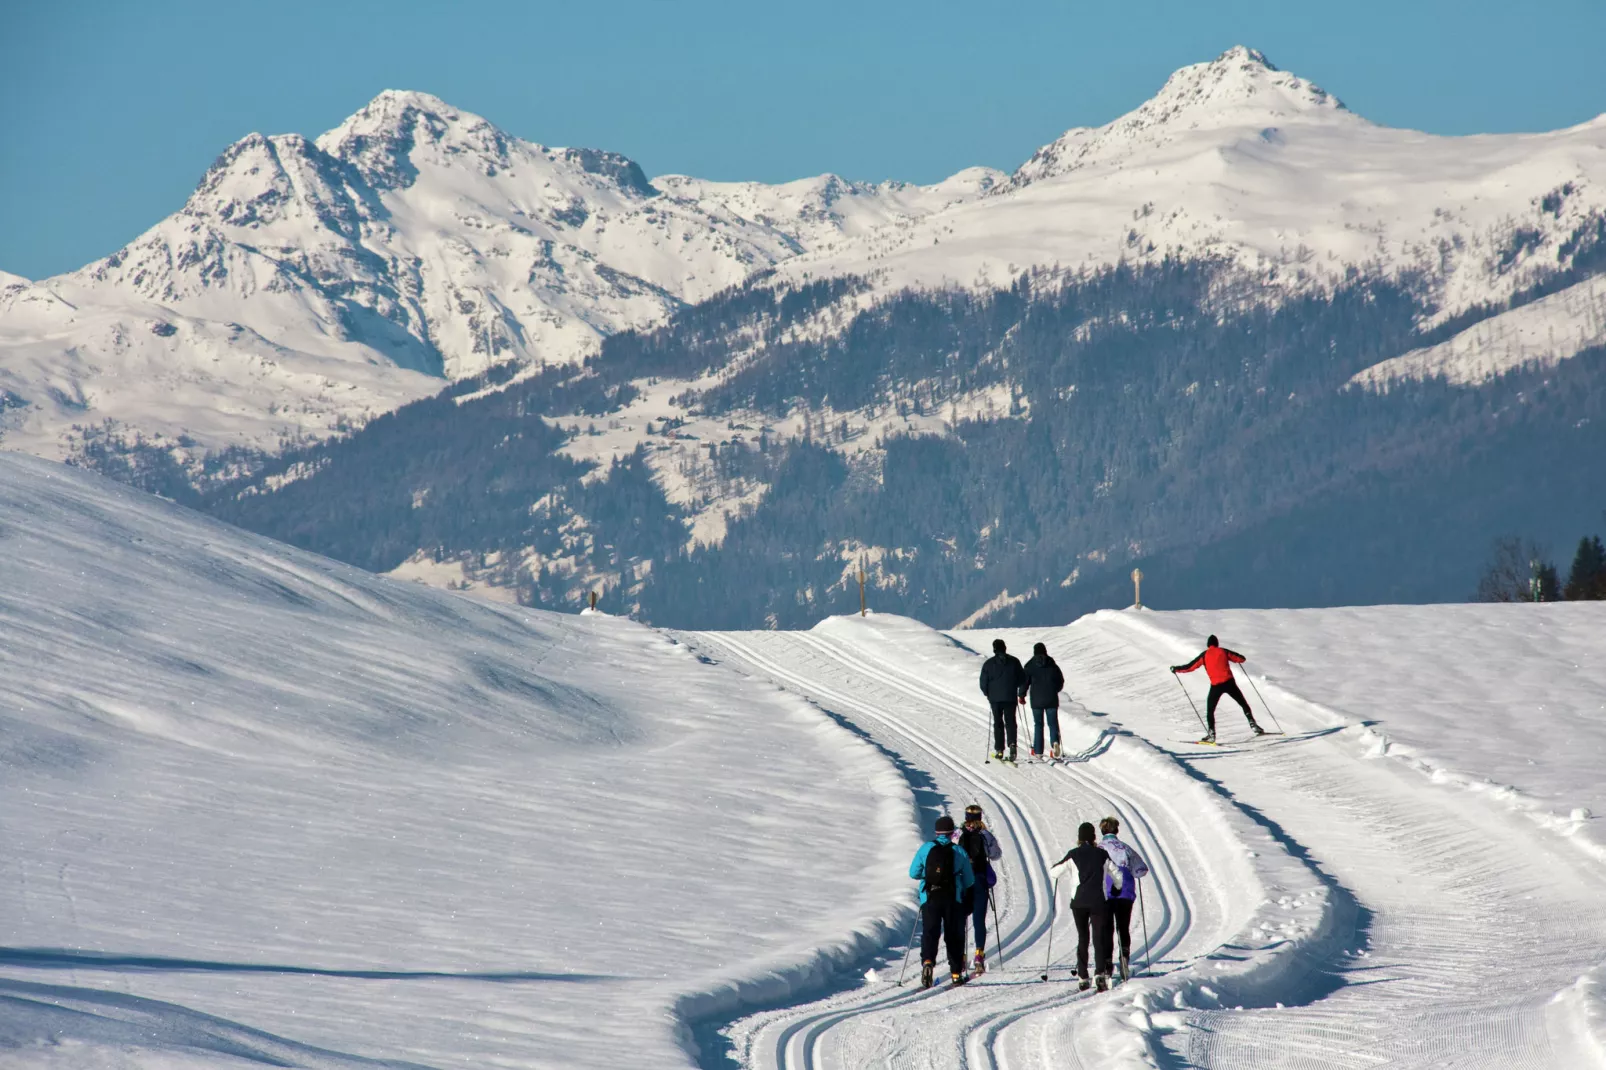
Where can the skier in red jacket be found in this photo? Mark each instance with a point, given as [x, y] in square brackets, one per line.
[1218, 661]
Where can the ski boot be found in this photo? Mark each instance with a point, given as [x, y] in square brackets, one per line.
[1259, 731]
[1084, 984]
[1210, 737]
[1126, 968]
[998, 755]
[1011, 758]
[927, 969]
[978, 965]
[1102, 982]
[1033, 756]
[1054, 751]
[960, 978]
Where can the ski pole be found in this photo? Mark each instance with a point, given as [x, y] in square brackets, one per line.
[1053, 907]
[1144, 914]
[998, 932]
[908, 949]
[1263, 705]
[1189, 697]
[987, 753]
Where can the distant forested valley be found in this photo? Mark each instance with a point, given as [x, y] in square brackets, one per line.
[1165, 416]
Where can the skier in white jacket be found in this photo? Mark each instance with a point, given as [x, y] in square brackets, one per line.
[1121, 875]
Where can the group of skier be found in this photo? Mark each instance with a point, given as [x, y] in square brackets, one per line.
[956, 874]
[1007, 684]
[955, 867]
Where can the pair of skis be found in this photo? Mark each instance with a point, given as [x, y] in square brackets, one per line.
[1228, 743]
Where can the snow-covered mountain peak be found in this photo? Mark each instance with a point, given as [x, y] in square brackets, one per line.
[389, 136]
[1239, 89]
[1237, 80]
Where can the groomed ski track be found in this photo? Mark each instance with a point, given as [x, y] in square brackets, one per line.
[1309, 908]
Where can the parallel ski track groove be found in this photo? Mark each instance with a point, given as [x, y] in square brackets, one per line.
[981, 1037]
[797, 1046]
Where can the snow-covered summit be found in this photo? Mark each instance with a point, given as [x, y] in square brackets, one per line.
[1239, 88]
[308, 284]
[1238, 161]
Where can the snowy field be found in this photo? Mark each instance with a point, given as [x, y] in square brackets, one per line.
[260, 808]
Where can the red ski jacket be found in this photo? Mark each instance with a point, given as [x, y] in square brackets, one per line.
[1215, 661]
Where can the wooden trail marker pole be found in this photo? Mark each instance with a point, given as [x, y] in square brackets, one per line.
[593, 601]
[1137, 588]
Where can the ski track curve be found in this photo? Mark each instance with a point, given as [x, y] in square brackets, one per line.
[992, 1023]
[1479, 926]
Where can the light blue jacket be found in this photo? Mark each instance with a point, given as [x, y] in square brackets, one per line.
[1124, 867]
[964, 876]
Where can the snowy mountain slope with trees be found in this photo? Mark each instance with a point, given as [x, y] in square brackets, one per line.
[1551, 329]
[414, 236]
[1235, 159]
[263, 807]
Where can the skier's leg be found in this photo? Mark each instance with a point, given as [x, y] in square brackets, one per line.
[1009, 726]
[1053, 716]
[1230, 688]
[1210, 707]
[930, 930]
[1121, 913]
[998, 726]
[978, 914]
[1103, 933]
[1037, 730]
[1084, 920]
[954, 935]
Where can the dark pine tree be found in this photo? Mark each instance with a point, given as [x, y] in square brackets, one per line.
[1587, 579]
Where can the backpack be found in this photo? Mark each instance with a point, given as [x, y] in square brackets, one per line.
[941, 885]
[974, 841]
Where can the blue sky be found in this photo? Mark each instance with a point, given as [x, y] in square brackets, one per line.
[114, 110]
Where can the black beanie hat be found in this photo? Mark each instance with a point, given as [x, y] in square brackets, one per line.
[946, 824]
[1212, 641]
[1085, 833]
[1039, 648]
[998, 646]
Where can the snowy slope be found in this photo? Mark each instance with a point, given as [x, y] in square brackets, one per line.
[1236, 159]
[261, 807]
[1551, 329]
[265, 808]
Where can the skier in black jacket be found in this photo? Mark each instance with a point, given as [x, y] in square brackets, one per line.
[1001, 681]
[1043, 685]
[1088, 905]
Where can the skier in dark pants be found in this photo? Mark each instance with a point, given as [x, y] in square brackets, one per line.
[1043, 685]
[1001, 680]
[945, 879]
[981, 847]
[1088, 906]
[1218, 662]
[1121, 886]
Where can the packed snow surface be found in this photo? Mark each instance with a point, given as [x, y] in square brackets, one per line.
[264, 808]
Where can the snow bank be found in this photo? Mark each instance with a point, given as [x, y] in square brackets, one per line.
[264, 807]
[1505, 702]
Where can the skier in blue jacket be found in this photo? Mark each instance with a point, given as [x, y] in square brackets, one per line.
[1121, 878]
[946, 878]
